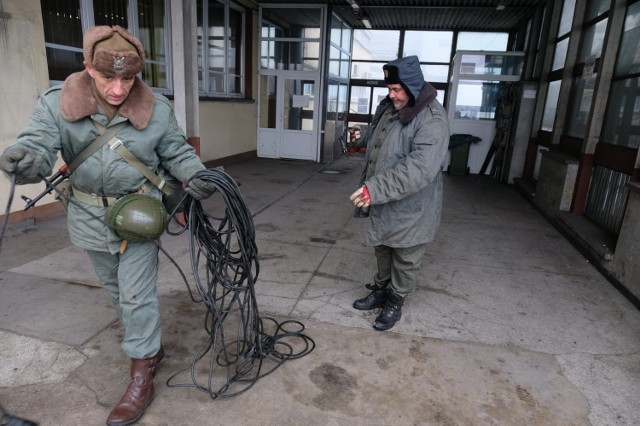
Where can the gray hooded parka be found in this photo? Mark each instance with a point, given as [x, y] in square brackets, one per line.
[405, 179]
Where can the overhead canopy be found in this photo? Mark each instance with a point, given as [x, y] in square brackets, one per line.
[463, 15]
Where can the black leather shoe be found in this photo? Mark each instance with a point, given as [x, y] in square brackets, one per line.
[375, 299]
[391, 312]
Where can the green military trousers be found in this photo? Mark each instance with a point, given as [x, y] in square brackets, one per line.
[130, 279]
[400, 265]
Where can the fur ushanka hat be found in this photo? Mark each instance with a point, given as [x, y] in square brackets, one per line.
[113, 51]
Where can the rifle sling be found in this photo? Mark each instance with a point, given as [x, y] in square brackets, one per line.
[108, 135]
[105, 135]
[129, 157]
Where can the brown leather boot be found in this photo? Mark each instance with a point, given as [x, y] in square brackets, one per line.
[158, 357]
[138, 395]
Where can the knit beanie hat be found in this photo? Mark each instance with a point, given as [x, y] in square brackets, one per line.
[406, 72]
[113, 51]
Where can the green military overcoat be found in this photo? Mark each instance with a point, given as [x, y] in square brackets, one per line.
[62, 121]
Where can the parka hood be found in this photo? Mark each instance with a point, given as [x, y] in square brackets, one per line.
[405, 71]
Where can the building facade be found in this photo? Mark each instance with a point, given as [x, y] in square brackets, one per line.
[285, 80]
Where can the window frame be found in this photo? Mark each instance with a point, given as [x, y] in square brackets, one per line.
[555, 76]
[584, 76]
[281, 37]
[373, 84]
[204, 60]
[86, 16]
[620, 78]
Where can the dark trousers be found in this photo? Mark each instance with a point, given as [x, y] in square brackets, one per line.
[400, 267]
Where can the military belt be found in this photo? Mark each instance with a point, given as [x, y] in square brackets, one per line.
[93, 199]
[104, 201]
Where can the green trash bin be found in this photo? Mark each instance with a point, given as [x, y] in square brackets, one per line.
[459, 160]
[459, 146]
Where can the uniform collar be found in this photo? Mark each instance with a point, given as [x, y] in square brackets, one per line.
[77, 102]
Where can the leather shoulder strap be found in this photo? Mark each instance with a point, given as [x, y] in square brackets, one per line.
[129, 157]
[105, 135]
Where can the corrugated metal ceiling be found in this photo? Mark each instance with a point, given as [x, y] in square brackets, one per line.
[471, 15]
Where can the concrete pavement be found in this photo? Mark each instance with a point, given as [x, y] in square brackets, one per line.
[509, 325]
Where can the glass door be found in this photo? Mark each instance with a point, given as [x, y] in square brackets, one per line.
[299, 117]
[288, 117]
[289, 105]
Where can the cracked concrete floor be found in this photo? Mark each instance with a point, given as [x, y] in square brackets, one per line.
[509, 325]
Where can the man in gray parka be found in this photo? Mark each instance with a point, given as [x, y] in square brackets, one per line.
[66, 120]
[402, 185]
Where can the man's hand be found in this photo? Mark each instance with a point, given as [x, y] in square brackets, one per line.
[361, 197]
[25, 163]
[200, 189]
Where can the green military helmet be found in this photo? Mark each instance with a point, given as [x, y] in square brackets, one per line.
[137, 217]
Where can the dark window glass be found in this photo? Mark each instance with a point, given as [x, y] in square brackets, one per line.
[110, 12]
[63, 37]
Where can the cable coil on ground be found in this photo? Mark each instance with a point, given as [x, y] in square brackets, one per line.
[240, 346]
[238, 349]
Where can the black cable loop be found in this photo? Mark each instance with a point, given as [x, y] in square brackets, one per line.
[224, 261]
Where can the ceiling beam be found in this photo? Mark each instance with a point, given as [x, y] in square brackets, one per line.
[377, 6]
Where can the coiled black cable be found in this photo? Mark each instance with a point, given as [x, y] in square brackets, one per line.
[238, 349]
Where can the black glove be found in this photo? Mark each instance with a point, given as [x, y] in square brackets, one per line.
[200, 189]
[25, 163]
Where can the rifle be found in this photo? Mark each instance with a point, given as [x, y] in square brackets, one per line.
[50, 183]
